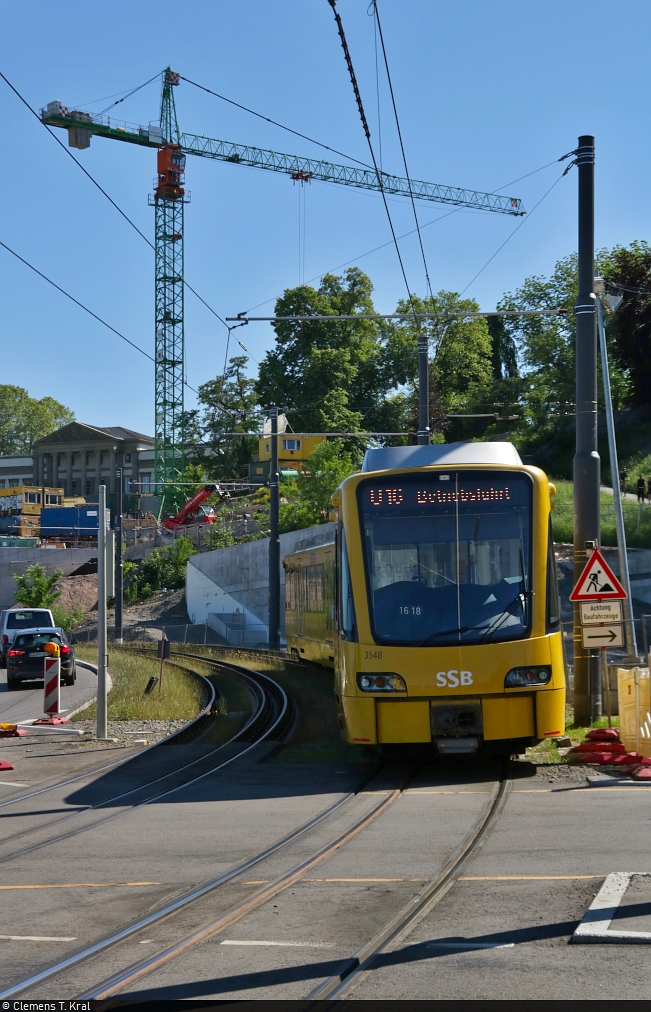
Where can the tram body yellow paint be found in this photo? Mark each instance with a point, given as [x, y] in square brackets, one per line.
[507, 718]
[472, 673]
[403, 721]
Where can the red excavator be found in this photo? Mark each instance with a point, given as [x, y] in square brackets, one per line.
[193, 512]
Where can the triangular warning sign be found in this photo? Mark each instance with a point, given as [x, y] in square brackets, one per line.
[597, 581]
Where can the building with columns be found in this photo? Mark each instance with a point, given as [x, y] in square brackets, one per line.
[79, 458]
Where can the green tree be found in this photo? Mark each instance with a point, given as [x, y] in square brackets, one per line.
[460, 354]
[164, 567]
[23, 419]
[545, 347]
[309, 495]
[628, 270]
[35, 589]
[333, 376]
[229, 404]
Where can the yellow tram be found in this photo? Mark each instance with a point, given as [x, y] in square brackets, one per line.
[437, 605]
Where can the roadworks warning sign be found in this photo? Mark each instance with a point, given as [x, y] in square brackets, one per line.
[597, 581]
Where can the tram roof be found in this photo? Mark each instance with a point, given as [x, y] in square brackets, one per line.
[452, 454]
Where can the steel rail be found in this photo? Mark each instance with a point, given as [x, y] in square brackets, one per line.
[124, 759]
[434, 890]
[264, 732]
[259, 736]
[186, 899]
[89, 808]
[141, 969]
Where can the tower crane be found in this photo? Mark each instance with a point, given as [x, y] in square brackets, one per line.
[168, 200]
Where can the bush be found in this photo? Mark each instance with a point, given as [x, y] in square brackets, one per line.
[36, 589]
[309, 495]
[165, 567]
[67, 620]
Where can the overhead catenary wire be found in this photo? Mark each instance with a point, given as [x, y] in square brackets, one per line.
[516, 229]
[402, 147]
[85, 308]
[457, 210]
[362, 114]
[104, 193]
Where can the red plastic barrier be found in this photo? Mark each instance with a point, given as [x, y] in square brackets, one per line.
[600, 746]
[5, 766]
[642, 773]
[627, 759]
[603, 734]
[593, 758]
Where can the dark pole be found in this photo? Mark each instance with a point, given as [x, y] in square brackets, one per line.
[423, 391]
[274, 538]
[119, 569]
[587, 466]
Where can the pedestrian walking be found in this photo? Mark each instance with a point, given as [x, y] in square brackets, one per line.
[641, 489]
[623, 478]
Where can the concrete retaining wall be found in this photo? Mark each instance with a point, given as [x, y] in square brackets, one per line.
[235, 581]
[16, 560]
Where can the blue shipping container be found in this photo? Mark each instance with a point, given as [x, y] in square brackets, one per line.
[70, 521]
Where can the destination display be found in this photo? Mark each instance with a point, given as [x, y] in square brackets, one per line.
[447, 490]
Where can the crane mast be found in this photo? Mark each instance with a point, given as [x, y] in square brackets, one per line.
[168, 200]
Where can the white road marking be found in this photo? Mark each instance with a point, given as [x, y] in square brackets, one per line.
[12, 783]
[595, 926]
[37, 938]
[291, 945]
[470, 945]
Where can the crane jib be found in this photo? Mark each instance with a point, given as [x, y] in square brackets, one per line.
[244, 154]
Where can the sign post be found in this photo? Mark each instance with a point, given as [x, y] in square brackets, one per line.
[599, 595]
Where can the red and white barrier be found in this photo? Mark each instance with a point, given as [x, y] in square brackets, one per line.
[52, 679]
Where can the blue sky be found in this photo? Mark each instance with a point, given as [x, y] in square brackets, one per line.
[486, 93]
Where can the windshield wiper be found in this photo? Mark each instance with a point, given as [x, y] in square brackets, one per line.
[500, 619]
[448, 632]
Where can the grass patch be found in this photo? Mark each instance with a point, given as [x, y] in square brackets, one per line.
[547, 752]
[637, 523]
[181, 697]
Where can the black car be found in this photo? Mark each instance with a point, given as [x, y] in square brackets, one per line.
[25, 657]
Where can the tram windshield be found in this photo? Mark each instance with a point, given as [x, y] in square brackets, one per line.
[448, 556]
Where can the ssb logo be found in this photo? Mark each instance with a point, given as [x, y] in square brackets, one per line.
[452, 679]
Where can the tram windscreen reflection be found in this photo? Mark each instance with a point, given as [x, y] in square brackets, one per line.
[448, 556]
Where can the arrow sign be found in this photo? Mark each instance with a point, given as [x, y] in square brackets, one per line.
[602, 636]
[597, 581]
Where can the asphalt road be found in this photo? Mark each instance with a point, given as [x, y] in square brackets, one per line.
[502, 931]
[27, 703]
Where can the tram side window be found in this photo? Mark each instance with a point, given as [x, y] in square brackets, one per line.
[347, 623]
[291, 577]
[553, 602]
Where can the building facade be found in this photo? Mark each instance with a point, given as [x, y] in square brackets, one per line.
[79, 458]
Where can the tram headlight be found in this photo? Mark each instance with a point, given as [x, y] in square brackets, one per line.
[537, 674]
[385, 681]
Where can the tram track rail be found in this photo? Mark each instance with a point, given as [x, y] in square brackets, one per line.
[352, 970]
[271, 716]
[193, 895]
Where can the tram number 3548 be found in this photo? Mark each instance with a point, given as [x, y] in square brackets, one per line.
[451, 679]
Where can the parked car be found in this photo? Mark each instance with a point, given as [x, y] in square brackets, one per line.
[25, 657]
[13, 619]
